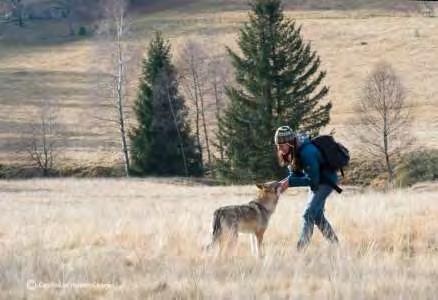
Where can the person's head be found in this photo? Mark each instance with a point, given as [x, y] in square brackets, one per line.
[285, 140]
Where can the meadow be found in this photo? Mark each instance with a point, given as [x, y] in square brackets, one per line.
[144, 239]
[68, 238]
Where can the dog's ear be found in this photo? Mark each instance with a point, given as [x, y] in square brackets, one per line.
[272, 186]
[260, 185]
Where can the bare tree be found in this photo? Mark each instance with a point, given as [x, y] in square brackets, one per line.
[384, 117]
[218, 76]
[68, 10]
[17, 8]
[40, 139]
[427, 8]
[115, 30]
[192, 64]
[4, 7]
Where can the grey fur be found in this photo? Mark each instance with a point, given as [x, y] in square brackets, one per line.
[253, 218]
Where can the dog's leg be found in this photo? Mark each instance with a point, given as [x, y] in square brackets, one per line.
[252, 240]
[224, 240]
[259, 235]
[232, 242]
[213, 248]
[222, 244]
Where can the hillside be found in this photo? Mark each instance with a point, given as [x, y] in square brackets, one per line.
[41, 61]
[209, 5]
[205, 5]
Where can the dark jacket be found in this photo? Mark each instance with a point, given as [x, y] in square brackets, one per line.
[312, 174]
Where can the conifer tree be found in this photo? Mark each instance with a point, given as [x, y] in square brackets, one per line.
[278, 82]
[162, 143]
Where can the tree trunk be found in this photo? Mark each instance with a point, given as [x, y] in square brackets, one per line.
[18, 12]
[119, 90]
[70, 24]
[216, 98]
[177, 130]
[20, 19]
[198, 137]
[385, 145]
[204, 124]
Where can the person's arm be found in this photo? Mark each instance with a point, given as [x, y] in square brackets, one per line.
[309, 160]
[297, 179]
[311, 167]
[294, 179]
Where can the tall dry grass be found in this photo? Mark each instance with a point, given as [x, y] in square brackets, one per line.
[140, 239]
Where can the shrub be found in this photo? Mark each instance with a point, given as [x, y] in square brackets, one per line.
[362, 172]
[417, 166]
[82, 31]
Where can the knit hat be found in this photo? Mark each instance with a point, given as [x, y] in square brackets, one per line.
[284, 135]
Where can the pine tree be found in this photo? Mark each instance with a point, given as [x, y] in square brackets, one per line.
[162, 143]
[278, 82]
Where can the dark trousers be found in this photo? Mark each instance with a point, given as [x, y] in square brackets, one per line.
[314, 215]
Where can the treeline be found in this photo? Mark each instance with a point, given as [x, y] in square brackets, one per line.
[277, 80]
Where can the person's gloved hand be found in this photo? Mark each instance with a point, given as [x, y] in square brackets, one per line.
[284, 184]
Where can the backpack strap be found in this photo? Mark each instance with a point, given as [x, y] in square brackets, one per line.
[325, 164]
[322, 166]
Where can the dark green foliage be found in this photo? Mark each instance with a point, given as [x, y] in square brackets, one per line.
[362, 172]
[82, 31]
[411, 168]
[162, 144]
[417, 167]
[278, 83]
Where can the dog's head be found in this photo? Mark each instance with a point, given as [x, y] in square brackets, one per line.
[269, 193]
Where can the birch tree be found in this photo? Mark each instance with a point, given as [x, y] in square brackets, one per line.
[115, 30]
[219, 74]
[193, 68]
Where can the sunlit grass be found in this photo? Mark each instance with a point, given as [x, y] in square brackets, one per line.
[144, 239]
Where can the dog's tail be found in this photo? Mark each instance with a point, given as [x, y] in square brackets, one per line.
[217, 228]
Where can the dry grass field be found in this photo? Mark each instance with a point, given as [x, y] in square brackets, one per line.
[40, 62]
[142, 239]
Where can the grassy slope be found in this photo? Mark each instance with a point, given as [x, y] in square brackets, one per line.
[143, 239]
[191, 5]
[50, 65]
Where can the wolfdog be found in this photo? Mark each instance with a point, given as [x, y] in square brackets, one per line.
[252, 218]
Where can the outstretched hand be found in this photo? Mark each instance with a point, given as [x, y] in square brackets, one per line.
[284, 184]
